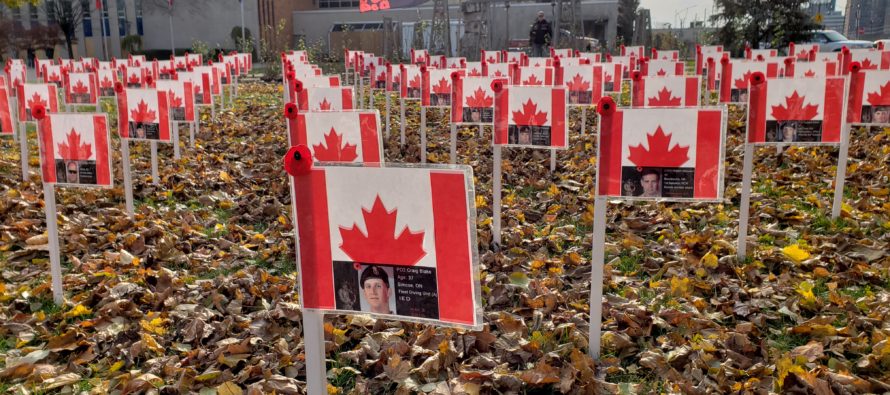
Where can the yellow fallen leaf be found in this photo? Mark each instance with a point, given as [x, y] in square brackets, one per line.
[553, 190]
[795, 253]
[225, 176]
[481, 201]
[229, 388]
[680, 287]
[116, 366]
[78, 311]
[709, 261]
[155, 326]
[805, 290]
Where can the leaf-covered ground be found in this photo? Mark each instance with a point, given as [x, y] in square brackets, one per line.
[198, 292]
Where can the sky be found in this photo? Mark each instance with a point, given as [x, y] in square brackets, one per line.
[671, 11]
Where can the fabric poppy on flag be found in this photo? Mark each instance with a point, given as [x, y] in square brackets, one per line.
[797, 110]
[672, 91]
[765, 54]
[411, 83]
[533, 76]
[80, 88]
[491, 56]
[473, 102]
[6, 112]
[394, 78]
[106, 78]
[436, 87]
[661, 68]
[393, 242]
[474, 69]
[584, 83]
[335, 98]
[612, 78]
[735, 75]
[75, 150]
[531, 116]
[33, 94]
[143, 114]
[200, 86]
[817, 68]
[871, 60]
[869, 101]
[497, 70]
[704, 52]
[661, 153]
[52, 74]
[636, 50]
[802, 52]
[338, 136]
[180, 99]
[420, 56]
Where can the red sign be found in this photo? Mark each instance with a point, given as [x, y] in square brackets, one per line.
[75, 150]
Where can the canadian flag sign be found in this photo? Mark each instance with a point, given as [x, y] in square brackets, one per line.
[491, 56]
[530, 116]
[660, 68]
[80, 88]
[411, 81]
[16, 74]
[533, 76]
[796, 110]
[474, 69]
[40, 66]
[437, 87]
[537, 62]
[870, 97]
[635, 50]
[136, 60]
[612, 78]
[143, 114]
[702, 53]
[420, 56]
[473, 100]
[629, 64]
[349, 58]
[803, 52]
[52, 74]
[334, 98]
[392, 242]
[673, 91]
[6, 121]
[106, 78]
[212, 74]
[339, 136]
[455, 63]
[665, 54]
[133, 76]
[180, 99]
[816, 68]
[660, 153]
[394, 78]
[180, 62]
[761, 54]
[200, 86]
[871, 60]
[513, 57]
[33, 94]
[498, 70]
[75, 149]
[562, 53]
[378, 77]
[593, 57]
[735, 76]
[583, 82]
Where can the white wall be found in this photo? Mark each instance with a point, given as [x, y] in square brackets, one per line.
[210, 21]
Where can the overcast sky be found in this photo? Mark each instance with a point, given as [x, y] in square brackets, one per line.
[671, 11]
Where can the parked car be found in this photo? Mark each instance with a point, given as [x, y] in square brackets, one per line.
[832, 41]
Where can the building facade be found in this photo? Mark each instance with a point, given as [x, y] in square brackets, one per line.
[867, 19]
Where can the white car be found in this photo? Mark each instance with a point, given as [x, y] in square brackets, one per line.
[832, 41]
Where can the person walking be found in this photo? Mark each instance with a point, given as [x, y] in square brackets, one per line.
[539, 36]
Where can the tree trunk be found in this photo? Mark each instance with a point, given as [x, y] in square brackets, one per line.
[68, 44]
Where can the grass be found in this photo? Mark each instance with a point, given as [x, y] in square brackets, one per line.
[648, 382]
[822, 224]
[629, 262]
[785, 341]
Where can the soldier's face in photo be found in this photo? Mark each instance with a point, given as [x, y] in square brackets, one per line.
[377, 294]
[788, 133]
[525, 135]
[882, 114]
[476, 116]
[71, 172]
[651, 185]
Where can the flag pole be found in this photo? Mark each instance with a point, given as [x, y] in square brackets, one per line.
[242, 22]
[101, 9]
[172, 46]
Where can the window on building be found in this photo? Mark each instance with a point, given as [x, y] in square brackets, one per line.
[122, 23]
[51, 12]
[105, 25]
[87, 18]
[139, 17]
[33, 14]
[337, 3]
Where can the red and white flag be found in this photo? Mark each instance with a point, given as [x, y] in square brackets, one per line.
[420, 57]
[537, 62]
[437, 61]
[562, 53]
[473, 100]
[513, 57]
[531, 116]
[75, 150]
[52, 74]
[455, 63]
[702, 53]
[6, 121]
[180, 99]
[40, 66]
[335, 98]
[474, 69]
[212, 74]
[869, 101]
[612, 77]
[735, 76]
[497, 70]
[339, 136]
[394, 77]
[629, 64]
[436, 87]
[224, 74]
[593, 57]
[378, 77]
[388, 241]
[16, 76]
[143, 114]
[584, 83]
[33, 94]
[411, 81]
[634, 50]
[804, 52]
[796, 110]
[80, 88]
[672, 91]
[761, 54]
[200, 86]
[106, 78]
[871, 60]
[816, 68]
[349, 59]
[134, 76]
[661, 153]
[194, 59]
[661, 68]
[491, 56]
[533, 76]
[136, 60]
[665, 54]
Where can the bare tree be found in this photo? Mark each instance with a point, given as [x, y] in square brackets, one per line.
[68, 15]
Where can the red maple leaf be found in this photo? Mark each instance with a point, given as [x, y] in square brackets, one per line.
[498, 73]
[529, 116]
[660, 153]
[36, 99]
[443, 87]
[80, 88]
[533, 80]
[175, 101]
[334, 149]
[664, 99]
[142, 113]
[479, 99]
[474, 73]
[868, 65]
[742, 83]
[661, 73]
[578, 84]
[180, 65]
[133, 79]
[106, 82]
[794, 109]
[53, 77]
[881, 97]
[324, 105]
[380, 245]
[809, 73]
[72, 149]
[414, 83]
[491, 59]
[607, 77]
